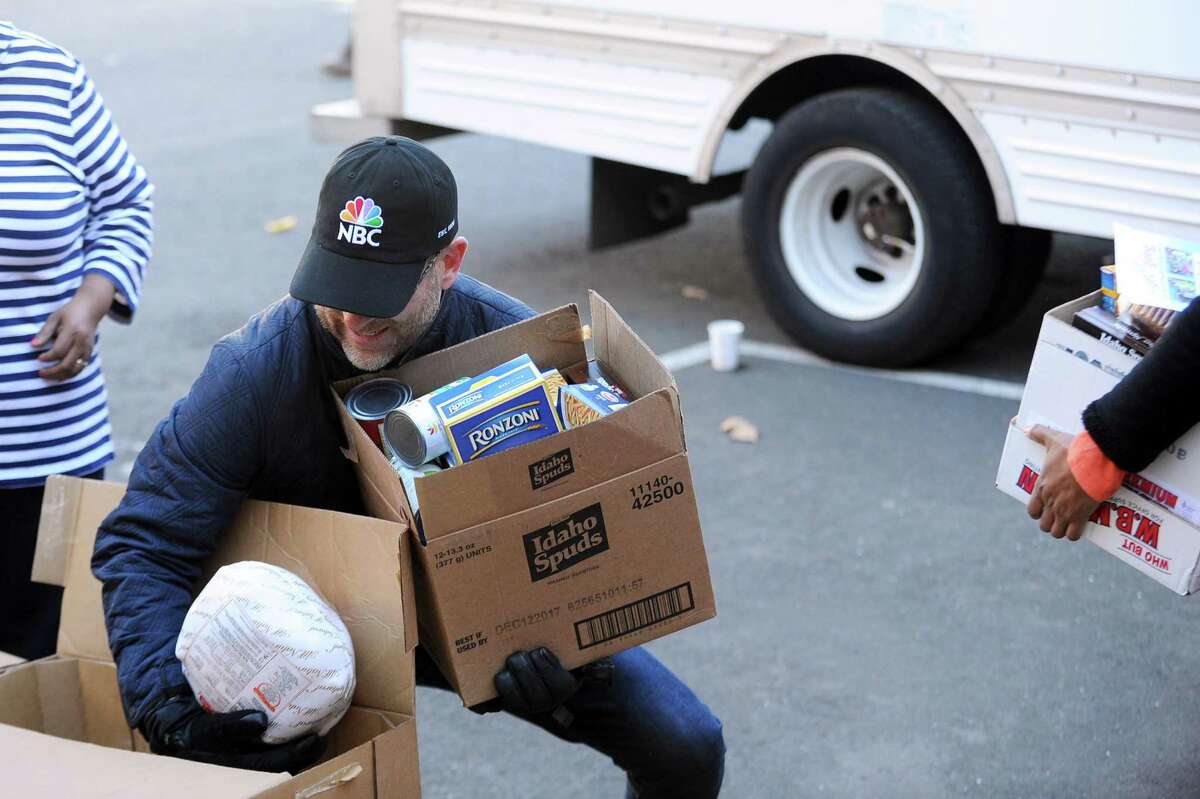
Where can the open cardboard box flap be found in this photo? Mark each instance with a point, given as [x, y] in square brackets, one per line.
[352, 561]
[36, 770]
[61, 720]
[67, 710]
[648, 431]
[633, 364]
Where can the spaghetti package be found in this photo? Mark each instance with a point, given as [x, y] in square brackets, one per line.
[587, 402]
[554, 382]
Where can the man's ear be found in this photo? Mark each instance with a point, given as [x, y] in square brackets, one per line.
[452, 258]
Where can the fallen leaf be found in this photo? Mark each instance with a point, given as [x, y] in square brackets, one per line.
[740, 429]
[694, 293]
[281, 225]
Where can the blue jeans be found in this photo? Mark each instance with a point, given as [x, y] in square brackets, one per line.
[667, 741]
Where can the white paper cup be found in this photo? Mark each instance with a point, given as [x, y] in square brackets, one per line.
[724, 340]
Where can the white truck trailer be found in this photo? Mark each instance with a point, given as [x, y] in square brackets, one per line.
[920, 151]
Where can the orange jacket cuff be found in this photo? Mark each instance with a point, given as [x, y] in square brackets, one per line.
[1098, 476]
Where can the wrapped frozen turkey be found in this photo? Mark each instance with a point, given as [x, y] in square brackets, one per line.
[259, 638]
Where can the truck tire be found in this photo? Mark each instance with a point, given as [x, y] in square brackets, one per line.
[870, 228]
[1026, 255]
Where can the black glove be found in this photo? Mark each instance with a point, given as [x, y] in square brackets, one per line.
[178, 726]
[534, 682]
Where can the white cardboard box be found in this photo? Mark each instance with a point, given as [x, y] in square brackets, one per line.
[1148, 527]
[1127, 526]
[1070, 369]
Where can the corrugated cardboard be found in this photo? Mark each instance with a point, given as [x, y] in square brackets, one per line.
[480, 595]
[43, 765]
[71, 705]
[1127, 526]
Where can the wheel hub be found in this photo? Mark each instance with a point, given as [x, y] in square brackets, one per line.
[851, 234]
[883, 219]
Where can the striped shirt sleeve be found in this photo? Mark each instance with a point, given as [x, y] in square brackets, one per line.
[119, 231]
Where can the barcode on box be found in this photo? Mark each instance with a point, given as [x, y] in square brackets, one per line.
[634, 616]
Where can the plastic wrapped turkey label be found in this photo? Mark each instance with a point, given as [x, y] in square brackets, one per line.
[259, 638]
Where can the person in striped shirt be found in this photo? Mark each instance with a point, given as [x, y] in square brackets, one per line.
[75, 236]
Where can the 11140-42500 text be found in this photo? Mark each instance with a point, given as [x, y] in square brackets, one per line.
[652, 492]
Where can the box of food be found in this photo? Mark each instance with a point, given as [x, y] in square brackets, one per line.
[1151, 523]
[1071, 367]
[587, 541]
[62, 719]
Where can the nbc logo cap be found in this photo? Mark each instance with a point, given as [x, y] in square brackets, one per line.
[386, 205]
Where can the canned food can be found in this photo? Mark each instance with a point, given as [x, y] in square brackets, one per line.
[370, 403]
[413, 434]
[1108, 289]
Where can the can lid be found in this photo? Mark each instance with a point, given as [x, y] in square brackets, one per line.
[402, 439]
[374, 399]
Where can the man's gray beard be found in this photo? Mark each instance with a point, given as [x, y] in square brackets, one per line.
[364, 362]
[409, 335]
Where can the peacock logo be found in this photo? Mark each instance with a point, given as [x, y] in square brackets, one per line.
[361, 221]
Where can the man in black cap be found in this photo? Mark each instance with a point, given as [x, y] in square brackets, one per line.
[379, 284]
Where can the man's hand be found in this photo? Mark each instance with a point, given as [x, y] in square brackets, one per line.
[73, 329]
[533, 683]
[1058, 501]
[178, 726]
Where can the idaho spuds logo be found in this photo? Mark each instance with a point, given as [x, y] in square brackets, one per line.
[551, 468]
[361, 221]
[556, 547]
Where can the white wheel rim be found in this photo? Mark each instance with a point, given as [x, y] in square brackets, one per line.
[850, 268]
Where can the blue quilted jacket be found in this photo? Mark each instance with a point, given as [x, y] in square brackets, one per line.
[259, 422]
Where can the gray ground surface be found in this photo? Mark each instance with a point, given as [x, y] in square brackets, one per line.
[891, 625]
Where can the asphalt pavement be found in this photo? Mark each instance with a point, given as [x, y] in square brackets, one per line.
[889, 623]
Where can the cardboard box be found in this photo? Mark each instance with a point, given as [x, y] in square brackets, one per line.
[7, 660]
[1071, 368]
[61, 717]
[1127, 526]
[1149, 522]
[587, 542]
